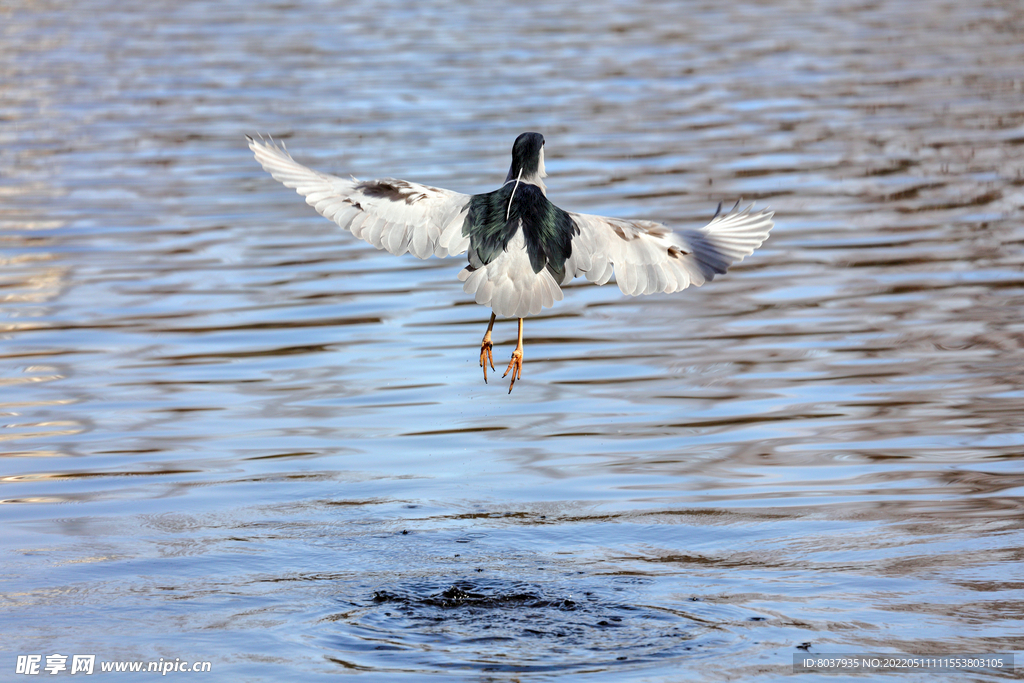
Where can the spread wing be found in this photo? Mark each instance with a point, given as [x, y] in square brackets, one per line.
[648, 257]
[390, 214]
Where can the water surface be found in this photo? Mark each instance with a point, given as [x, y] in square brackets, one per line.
[233, 433]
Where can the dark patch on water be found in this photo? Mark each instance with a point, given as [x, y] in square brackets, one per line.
[507, 625]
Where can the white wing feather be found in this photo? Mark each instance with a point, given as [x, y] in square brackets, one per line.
[390, 214]
[647, 257]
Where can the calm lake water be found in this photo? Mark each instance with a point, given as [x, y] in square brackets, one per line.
[233, 433]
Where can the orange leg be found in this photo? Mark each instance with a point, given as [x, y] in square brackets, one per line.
[515, 366]
[485, 349]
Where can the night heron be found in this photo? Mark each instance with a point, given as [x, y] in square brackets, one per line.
[521, 246]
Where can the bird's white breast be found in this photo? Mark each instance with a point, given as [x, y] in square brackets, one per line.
[508, 284]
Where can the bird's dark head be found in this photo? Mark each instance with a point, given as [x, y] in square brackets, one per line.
[528, 159]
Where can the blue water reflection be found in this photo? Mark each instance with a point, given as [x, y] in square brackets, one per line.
[232, 433]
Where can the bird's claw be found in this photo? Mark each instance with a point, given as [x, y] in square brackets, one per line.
[515, 366]
[485, 354]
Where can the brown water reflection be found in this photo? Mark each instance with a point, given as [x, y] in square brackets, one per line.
[231, 433]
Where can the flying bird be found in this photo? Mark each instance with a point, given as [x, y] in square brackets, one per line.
[522, 248]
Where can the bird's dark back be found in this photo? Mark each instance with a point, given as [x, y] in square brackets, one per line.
[547, 229]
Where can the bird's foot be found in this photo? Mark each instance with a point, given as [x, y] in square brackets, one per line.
[485, 354]
[515, 366]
